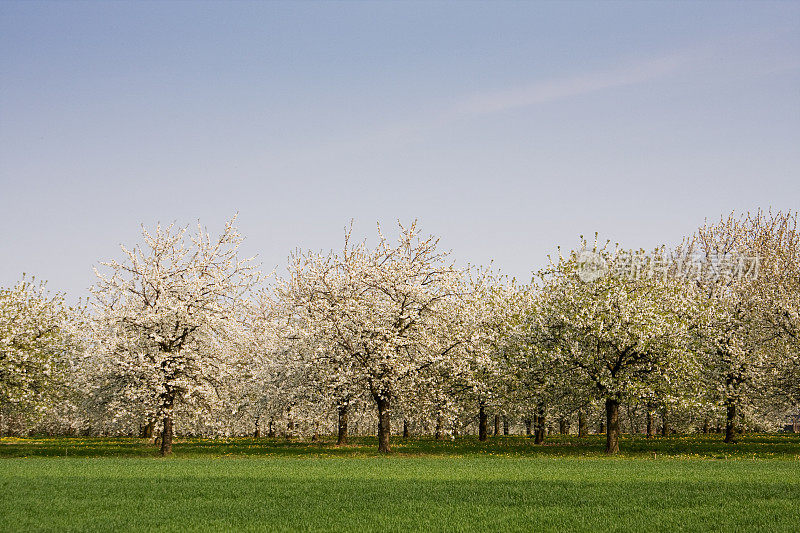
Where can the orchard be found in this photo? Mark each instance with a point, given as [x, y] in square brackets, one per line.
[182, 337]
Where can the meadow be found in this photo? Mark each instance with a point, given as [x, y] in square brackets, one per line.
[677, 483]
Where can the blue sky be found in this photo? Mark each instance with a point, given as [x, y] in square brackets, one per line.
[505, 128]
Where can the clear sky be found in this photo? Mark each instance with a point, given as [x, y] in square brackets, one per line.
[505, 128]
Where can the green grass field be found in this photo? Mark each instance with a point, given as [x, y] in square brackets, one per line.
[664, 484]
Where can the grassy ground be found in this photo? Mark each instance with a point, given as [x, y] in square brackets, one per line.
[782, 445]
[690, 484]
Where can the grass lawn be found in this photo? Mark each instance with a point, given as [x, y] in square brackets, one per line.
[692, 484]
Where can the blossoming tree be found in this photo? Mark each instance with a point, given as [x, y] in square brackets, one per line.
[165, 309]
[366, 312]
[622, 333]
[38, 335]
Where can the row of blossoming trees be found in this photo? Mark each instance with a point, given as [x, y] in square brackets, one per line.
[183, 335]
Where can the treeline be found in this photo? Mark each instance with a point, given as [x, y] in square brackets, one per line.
[184, 336]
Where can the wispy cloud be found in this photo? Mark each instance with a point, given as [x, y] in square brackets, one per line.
[706, 58]
[550, 90]
[501, 100]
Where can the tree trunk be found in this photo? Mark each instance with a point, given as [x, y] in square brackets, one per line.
[705, 426]
[342, 425]
[505, 425]
[384, 421]
[496, 425]
[438, 431]
[528, 424]
[166, 435]
[167, 403]
[147, 430]
[730, 422]
[651, 427]
[271, 429]
[483, 423]
[664, 423]
[540, 434]
[541, 423]
[405, 429]
[562, 426]
[612, 423]
[257, 431]
[582, 429]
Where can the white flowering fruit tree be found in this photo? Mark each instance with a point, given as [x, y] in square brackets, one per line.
[166, 307]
